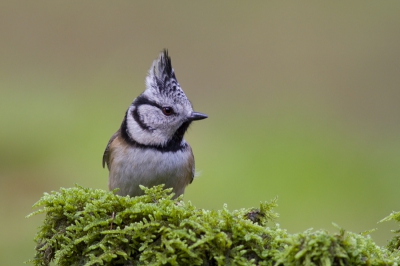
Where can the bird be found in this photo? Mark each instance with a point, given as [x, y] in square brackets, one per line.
[149, 148]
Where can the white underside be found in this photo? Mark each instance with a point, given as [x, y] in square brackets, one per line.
[132, 167]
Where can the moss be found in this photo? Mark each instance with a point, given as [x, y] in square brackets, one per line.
[94, 227]
[394, 244]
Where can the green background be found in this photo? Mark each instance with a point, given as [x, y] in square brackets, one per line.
[302, 97]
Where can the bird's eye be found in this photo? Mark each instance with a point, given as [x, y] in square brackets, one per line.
[167, 110]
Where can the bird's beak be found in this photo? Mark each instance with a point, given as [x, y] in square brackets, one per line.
[197, 116]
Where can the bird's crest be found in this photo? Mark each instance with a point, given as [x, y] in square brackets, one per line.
[161, 78]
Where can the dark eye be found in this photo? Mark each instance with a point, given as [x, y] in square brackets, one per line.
[167, 110]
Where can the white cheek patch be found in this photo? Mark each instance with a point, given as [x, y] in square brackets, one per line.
[134, 130]
[151, 136]
[151, 117]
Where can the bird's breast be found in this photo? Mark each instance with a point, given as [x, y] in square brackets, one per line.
[132, 166]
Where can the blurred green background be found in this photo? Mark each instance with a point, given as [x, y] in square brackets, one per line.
[302, 98]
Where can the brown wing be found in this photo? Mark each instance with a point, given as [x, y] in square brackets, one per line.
[192, 165]
[106, 155]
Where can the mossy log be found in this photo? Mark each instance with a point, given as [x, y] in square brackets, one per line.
[95, 227]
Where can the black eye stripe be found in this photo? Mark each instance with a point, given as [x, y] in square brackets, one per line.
[144, 100]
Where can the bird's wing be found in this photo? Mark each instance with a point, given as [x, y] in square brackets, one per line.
[106, 155]
[192, 165]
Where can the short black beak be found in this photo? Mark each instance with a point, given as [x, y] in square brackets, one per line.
[197, 116]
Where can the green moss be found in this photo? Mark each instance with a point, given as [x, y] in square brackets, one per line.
[394, 244]
[94, 227]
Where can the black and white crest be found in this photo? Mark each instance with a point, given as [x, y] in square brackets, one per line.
[161, 79]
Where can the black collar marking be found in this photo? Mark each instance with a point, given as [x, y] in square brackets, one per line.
[174, 144]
